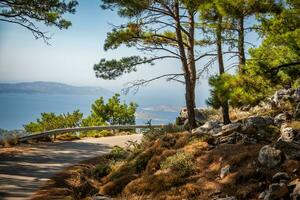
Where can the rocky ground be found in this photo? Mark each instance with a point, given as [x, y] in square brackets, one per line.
[257, 156]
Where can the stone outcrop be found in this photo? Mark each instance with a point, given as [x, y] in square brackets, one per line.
[269, 156]
[199, 116]
[225, 171]
[290, 150]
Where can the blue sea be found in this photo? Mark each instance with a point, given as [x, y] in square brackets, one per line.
[19, 109]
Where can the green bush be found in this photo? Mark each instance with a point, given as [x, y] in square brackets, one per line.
[95, 134]
[101, 170]
[180, 162]
[141, 161]
[117, 153]
[50, 121]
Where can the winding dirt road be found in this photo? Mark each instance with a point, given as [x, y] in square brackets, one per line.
[24, 171]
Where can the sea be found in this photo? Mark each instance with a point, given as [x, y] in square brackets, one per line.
[19, 109]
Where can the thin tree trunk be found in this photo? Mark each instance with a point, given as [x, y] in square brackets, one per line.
[241, 41]
[192, 69]
[225, 107]
[190, 102]
[189, 72]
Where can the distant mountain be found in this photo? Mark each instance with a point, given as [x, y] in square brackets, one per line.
[41, 87]
[162, 108]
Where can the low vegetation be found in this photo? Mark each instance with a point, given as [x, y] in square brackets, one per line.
[113, 112]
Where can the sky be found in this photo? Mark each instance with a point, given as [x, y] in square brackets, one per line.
[73, 52]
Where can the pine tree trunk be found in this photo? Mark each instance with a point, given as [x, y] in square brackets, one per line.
[225, 107]
[225, 112]
[190, 89]
[190, 102]
[188, 65]
[241, 41]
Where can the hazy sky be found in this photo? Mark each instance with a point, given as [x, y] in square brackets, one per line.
[73, 52]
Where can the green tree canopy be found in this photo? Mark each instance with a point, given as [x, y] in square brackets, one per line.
[27, 13]
[50, 121]
[113, 112]
[272, 65]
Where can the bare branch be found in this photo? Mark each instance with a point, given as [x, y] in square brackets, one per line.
[139, 83]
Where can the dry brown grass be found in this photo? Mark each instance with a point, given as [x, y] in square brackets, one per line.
[295, 124]
[140, 175]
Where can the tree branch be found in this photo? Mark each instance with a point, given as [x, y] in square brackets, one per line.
[138, 83]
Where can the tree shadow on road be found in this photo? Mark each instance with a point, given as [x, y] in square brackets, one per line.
[23, 173]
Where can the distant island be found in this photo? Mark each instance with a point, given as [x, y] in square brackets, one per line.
[41, 87]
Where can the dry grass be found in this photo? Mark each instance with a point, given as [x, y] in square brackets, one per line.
[157, 183]
[295, 124]
[140, 175]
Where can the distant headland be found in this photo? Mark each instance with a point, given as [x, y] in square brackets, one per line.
[55, 88]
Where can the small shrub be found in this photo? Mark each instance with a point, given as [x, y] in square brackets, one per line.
[268, 133]
[151, 136]
[141, 162]
[203, 138]
[133, 146]
[116, 165]
[101, 170]
[68, 198]
[180, 162]
[67, 137]
[95, 134]
[117, 153]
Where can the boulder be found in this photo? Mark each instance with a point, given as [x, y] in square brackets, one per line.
[297, 112]
[212, 127]
[269, 156]
[245, 139]
[291, 150]
[277, 191]
[215, 130]
[282, 95]
[263, 194]
[230, 128]
[225, 171]
[232, 138]
[288, 134]
[211, 124]
[280, 176]
[268, 120]
[256, 121]
[199, 115]
[280, 119]
[296, 95]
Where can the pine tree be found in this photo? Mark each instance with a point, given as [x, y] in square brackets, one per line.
[165, 29]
